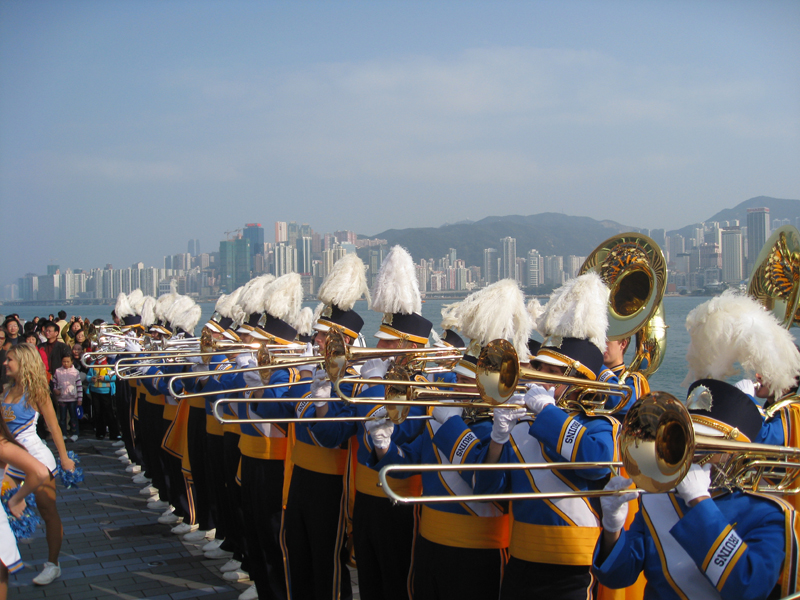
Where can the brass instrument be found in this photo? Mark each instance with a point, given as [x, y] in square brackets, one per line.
[776, 273]
[338, 355]
[781, 403]
[658, 445]
[633, 267]
[499, 373]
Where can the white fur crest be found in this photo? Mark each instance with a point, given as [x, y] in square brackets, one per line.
[252, 298]
[123, 308]
[188, 318]
[162, 306]
[136, 300]
[535, 310]
[346, 283]
[396, 287]
[578, 309]
[283, 298]
[305, 321]
[734, 328]
[148, 311]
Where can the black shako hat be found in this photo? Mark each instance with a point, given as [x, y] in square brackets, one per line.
[728, 405]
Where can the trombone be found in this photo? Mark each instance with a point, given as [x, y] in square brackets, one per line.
[658, 445]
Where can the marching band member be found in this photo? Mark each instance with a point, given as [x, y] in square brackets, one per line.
[552, 540]
[264, 446]
[694, 542]
[314, 525]
[383, 534]
[614, 368]
[462, 533]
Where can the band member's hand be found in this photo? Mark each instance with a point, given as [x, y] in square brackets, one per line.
[696, 483]
[197, 360]
[538, 398]
[443, 413]
[320, 387]
[244, 360]
[615, 508]
[132, 346]
[504, 421]
[375, 368]
[380, 431]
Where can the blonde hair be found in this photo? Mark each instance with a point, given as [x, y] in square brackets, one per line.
[31, 375]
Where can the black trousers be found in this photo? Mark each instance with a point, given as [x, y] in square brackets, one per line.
[149, 428]
[314, 530]
[125, 402]
[103, 411]
[178, 491]
[204, 501]
[383, 536]
[524, 580]
[234, 537]
[215, 476]
[441, 572]
[262, 491]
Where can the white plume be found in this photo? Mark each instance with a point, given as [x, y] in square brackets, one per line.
[252, 298]
[305, 321]
[495, 312]
[734, 328]
[123, 308]
[162, 306]
[451, 317]
[148, 311]
[225, 304]
[136, 300]
[185, 315]
[577, 309]
[237, 312]
[346, 283]
[396, 287]
[535, 310]
[283, 298]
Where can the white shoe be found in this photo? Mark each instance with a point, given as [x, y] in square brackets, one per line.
[231, 565]
[170, 519]
[199, 535]
[237, 575]
[184, 528]
[121, 452]
[218, 553]
[250, 593]
[50, 573]
[158, 505]
[134, 469]
[140, 478]
[118, 443]
[74, 438]
[212, 545]
[148, 491]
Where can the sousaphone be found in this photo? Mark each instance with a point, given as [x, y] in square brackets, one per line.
[776, 274]
[633, 267]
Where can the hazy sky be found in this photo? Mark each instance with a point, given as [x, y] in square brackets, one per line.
[127, 128]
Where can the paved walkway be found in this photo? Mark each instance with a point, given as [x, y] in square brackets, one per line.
[114, 547]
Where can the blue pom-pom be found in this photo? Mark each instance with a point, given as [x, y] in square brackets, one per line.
[70, 479]
[26, 525]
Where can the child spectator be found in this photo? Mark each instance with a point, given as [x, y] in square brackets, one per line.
[77, 354]
[102, 388]
[69, 392]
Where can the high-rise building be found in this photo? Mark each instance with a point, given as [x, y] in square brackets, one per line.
[509, 258]
[554, 270]
[52, 269]
[490, 265]
[194, 247]
[234, 268]
[292, 233]
[732, 271]
[281, 232]
[285, 259]
[572, 264]
[757, 233]
[304, 254]
[535, 266]
[255, 233]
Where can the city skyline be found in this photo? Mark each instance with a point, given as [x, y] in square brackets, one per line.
[134, 126]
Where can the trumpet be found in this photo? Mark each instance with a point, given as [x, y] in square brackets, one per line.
[338, 355]
[658, 445]
[499, 373]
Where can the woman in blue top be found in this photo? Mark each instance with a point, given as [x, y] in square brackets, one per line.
[24, 399]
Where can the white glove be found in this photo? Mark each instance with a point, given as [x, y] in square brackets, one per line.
[375, 368]
[197, 360]
[443, 413]
[538, 398]
[504, 421]
[307, 351]
[201, 366]
[696, 483]
[747, 386]
[380, 431]
[244, 360]
[252, 379]
[615, 508]
[320, 388]
[132, 346]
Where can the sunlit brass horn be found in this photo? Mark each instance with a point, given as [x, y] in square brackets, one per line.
[775, 280]
[499, 373]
